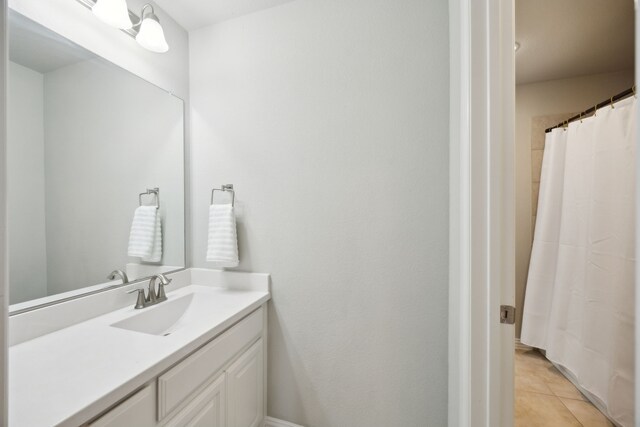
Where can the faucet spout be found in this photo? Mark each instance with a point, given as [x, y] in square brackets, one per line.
[153, 296]
[118, 273]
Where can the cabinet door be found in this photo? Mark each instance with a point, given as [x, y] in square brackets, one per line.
[139, 410]
[207, 409]
[245, 392]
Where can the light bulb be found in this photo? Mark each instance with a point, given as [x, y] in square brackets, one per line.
[151, 36]
[113, 12]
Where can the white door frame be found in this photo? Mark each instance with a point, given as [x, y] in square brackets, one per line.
[482, 212]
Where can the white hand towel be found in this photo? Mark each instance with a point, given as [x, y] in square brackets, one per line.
[145, 239]
[222, 248]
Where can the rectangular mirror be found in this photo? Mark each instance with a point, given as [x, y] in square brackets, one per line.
[85, 138]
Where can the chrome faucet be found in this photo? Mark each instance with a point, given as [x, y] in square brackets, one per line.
[115, 273]
[153, 297]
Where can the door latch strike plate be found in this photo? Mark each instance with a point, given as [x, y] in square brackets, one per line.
[507, 314]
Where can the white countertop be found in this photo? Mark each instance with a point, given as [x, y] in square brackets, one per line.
[70, 375]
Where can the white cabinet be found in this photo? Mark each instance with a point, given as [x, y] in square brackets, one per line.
[207, 409]
[245, 380]
[222, 384]
[179, 383]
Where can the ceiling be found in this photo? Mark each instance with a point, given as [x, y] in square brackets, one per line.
[34, 46]
[194, 14]
[568, 38]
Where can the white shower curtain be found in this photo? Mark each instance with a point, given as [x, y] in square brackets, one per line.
[579, 303]
[544, 253]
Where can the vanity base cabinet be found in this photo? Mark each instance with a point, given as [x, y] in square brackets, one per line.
[222, 384]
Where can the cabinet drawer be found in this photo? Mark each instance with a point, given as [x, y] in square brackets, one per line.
[183, 379]
[138, 410]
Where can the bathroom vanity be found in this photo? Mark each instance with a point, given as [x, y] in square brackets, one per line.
[196, 359]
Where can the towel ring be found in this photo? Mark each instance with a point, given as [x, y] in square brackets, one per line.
[155, 191]
[228, 188]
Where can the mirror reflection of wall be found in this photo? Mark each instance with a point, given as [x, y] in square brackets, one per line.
[84, 138]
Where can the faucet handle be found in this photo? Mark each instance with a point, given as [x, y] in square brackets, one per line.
[161, 295]
[141, 301]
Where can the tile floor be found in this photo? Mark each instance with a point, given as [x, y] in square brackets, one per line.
[544, 397]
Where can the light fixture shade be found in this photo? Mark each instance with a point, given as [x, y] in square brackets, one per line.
[151, 35]
[113, 12]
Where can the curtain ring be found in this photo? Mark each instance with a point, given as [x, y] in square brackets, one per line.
[612, 107]
[565, 124]
[595, 110]
[580, 117]
[633, 88]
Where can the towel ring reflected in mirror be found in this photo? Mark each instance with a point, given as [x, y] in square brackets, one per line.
[228, 188]
[155, 191]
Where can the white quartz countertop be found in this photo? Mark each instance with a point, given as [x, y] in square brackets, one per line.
[70, 375]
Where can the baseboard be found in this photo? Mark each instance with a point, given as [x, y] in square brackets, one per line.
[520, 346]
[274, 422]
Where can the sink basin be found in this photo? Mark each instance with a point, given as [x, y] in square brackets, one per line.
[169, 316]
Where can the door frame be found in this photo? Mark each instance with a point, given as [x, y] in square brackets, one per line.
[482, 212]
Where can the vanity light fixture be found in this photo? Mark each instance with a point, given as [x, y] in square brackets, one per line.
[113, 12]
[150, 34]
[146, 28]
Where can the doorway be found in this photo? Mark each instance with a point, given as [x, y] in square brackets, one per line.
[573, 59]
[482, 211]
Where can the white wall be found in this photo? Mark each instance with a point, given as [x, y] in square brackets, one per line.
[540, 99]
[108, 136]
[26, 184]
[331, 119]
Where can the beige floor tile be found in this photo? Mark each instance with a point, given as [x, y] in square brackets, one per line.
[540, 410]
[562, 387]
[533, 363]
[532, 356]
[541, 389]
[526, 380]
[586, 413]
[536, 365]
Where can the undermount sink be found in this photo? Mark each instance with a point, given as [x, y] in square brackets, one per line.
[169, 316]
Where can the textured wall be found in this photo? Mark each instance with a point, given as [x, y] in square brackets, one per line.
[331, 119]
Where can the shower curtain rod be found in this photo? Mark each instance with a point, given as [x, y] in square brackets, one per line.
[585, 113]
